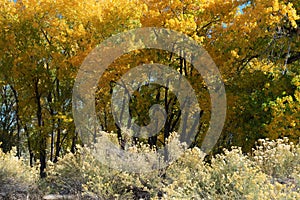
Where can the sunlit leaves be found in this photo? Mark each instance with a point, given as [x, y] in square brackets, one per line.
[286, 115]
[255, 44]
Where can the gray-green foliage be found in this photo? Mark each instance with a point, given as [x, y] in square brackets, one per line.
[270, 172]
[17, 179]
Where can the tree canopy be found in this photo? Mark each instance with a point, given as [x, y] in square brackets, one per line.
[255, 44]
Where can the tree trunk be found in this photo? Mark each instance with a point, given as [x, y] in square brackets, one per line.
[58, 138]
[58, 130]
[42, 144]
[31, 155]
[17, 122]
[74, 141]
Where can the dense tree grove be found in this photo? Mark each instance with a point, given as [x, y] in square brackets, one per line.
[255, 44]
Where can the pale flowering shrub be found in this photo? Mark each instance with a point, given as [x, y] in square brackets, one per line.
[231, 175]
[234, 176]
[17, 178]
[155, 181]
[82, 175]
[186, 177]
[278, 158]
[241, 178]
[65, 176]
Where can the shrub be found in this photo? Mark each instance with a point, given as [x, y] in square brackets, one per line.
[277, 158]
[271, 171]
[231, 175]
[18, 180]
[82, 175]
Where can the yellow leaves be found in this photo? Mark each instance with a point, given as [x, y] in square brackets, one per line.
[200, 39]
[286, 120]
[183, 23]
[65, 118]
[265, 66]
[69, 31]
[75, 27]
[234, 53]
[275, 5]
[294, 24]
[78, 32]
[279, 10]
[293, 123]
[297, 95]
